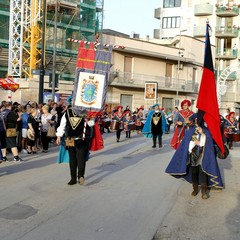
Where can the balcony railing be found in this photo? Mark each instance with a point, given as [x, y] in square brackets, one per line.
[126, 79]
[222, 31]
[226, 53]
[227, 11]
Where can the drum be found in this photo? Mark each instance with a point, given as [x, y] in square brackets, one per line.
[114, 126]
[236, 137]
[105, 124]
[126, 127]
[132, 127]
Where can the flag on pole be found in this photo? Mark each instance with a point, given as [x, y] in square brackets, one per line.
[207, 103]
[92, 69]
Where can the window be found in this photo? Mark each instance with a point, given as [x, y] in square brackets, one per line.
[171, 22]
[171, 3]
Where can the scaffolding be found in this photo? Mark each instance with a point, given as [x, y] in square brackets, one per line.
[21, 35]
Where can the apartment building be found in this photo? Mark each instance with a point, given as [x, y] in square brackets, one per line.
[184, 17]
[141, 62]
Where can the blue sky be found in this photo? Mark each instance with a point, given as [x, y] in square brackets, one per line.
[131, 16]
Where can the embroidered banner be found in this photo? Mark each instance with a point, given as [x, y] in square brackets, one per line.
[92, 69]
[150, 91]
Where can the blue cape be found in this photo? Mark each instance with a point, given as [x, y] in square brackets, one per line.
[178, 165]
[146, 131]
[63, 155]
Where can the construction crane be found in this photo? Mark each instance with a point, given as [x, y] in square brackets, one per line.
[24, 36]
[26, 31]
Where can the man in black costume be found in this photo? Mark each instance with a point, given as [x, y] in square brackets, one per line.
[156, 126]
[77, 129]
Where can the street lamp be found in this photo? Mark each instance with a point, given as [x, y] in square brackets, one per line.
[42, 64]
[180, 54]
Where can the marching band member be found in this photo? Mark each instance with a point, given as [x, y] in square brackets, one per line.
[118, 116]
[127, 120]
[106, 119]
[231, 128]
[182, 123]
[139, 119]
[155, 125]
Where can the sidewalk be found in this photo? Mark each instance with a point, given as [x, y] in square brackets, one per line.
[215, 218]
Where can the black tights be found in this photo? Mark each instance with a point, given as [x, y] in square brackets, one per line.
[196, 170]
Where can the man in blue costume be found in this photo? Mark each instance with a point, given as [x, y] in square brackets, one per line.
[155, 126]
[195, 160]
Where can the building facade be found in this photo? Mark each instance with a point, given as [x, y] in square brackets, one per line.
[142, 62]
[183, 17]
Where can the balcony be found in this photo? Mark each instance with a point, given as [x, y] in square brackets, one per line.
[203, 10]
[156, 33]
[200, 31]
[231, 97]
[226, 54]
[157, 13]
[227, 11]
[134, 80]
[226, 32]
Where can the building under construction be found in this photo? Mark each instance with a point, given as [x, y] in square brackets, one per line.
[29, 26]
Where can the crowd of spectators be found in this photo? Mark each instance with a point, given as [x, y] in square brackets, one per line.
[24, 128]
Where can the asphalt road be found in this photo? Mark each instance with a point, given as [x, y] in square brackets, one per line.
[126, 194]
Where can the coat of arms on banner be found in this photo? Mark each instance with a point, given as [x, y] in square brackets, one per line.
[90, 90]
[150, 91]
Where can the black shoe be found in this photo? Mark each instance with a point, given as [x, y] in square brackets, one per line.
[154, 146]
[72, 182]
[4, 159]
[160, 146]
[17, 159]
[29, 152]
[117, 140]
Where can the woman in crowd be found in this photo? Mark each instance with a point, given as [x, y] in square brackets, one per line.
[33, 129]
[46, 121]
[11, 123]
[25, 117]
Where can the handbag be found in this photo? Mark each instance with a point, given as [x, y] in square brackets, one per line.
[51, 131]
[70, 142]
[11, 132]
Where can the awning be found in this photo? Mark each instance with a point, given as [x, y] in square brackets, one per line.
[8, 84]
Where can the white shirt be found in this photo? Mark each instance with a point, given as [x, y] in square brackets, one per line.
[202, 140]
[61, 129]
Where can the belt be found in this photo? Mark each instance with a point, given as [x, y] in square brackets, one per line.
[77, 138]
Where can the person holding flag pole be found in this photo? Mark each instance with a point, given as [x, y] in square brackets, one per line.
[195, 159]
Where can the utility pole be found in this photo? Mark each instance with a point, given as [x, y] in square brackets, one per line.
[54, 51]
[42, 70]
[178, 66]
